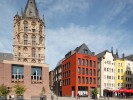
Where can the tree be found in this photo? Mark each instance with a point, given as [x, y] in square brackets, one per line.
[19, 89]
[3, 90]
[94, 93]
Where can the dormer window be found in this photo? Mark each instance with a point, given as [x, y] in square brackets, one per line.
[85, 51]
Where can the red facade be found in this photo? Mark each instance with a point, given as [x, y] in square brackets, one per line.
[79, 75]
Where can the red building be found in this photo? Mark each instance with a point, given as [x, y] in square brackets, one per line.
[79, 72]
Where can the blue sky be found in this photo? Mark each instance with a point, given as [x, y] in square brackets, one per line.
[100, 24]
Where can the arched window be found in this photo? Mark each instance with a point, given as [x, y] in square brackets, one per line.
[33, 61]
[25, 60]
[25, 39]
[18, 38]
[25, 26]
[33, 40]
[33, 52]
[19, 54]
[40, 40]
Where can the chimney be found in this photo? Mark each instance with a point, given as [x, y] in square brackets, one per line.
[112, 50]
[123, 56]
[117, 56]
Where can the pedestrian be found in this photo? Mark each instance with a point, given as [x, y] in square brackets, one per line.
[78, 97]
[98, 96]
[52, 97]
[108, 95]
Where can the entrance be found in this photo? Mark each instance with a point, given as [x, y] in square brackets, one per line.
[73, 91]
[83, 91]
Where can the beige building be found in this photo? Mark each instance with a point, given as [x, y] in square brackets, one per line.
[29, 35]
[26, 65]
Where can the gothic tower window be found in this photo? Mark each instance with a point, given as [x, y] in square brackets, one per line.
[25, 60]
[40, 40]
[33, 40]
[25, 39]
[19, 54]
[33, 26]
[25, 26]
[18, 38]
[33, 52]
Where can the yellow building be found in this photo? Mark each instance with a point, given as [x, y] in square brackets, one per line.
[120, 78]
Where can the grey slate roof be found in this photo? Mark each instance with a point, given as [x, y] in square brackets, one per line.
[81, 49]
[6, 56]
[31, 9]
[130, 57]
[101, 54]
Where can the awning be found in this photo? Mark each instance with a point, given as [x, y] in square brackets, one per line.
[124, 91]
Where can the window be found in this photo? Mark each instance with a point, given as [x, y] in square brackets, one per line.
[122, 77]
[118, 70]
[94, 72]
[87, 80]
[86, 71]
[105, 84]
[86, 62]
[104, 69]
[79, 79]
[33, 40]
[121, 70]
[33, 30]
[94, 64]
[33, 52]
[90, 80]
[90, 63]
[90, 72]
[79, 70]
[18, 37]
[83, 72]
[85, 51]
[83, 80]
[25, 26]
[36, 73]
[118, 77]
[83, 62]
[40, 40]
[94, 81]
[17, 72]
[79, 61]
[25, 39]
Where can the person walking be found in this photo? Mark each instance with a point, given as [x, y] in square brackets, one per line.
[52, 96]
[98, 96]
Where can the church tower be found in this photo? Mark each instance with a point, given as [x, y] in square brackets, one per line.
[29, 36]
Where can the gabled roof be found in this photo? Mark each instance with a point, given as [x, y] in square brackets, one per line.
[102, 54]
[130, 57]
[6, 56]
[82, 48]
[31, 9]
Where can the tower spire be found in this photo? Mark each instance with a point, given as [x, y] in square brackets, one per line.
[31, 9]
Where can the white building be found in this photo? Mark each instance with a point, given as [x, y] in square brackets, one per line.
[129, 73]
[106, 73]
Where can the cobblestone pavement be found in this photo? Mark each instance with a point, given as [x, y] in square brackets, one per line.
[70, 98]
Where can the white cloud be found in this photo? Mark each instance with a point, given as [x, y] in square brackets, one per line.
[63, 7]
[62, 40]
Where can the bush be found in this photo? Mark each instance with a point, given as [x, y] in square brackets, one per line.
[94, 93]
[19, 89]
[3, 90]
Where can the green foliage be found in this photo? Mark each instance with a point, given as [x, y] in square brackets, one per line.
[94, 92]
[19, 89]
[3, 90]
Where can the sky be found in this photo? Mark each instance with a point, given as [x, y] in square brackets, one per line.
[100, 24]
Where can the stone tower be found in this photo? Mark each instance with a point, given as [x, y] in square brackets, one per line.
[29, 36]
